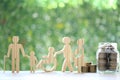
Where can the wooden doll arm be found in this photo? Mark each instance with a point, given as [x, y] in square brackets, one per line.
[58, 52]
[22, 50]
[44, 56]
[9, 50]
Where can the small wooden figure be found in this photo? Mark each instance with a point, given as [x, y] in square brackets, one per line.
[33, 61]
[67, 52]
[14, 49]
[48, 60]
[79, 55]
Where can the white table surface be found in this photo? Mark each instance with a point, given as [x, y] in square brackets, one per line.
[57, 75]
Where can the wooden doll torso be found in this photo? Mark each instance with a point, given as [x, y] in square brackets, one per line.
[50, 57]
[15, 50]
[32, 60]
[67, 52]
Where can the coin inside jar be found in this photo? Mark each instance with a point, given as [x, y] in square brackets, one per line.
[107, 58]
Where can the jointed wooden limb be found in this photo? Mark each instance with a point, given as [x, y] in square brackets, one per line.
[58, 52]
[5, 62]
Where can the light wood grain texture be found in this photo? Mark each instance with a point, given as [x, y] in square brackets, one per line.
[14, 50]
[82, 44]
[79, 55]
[33, 61]
[67, 52]
[47, 60]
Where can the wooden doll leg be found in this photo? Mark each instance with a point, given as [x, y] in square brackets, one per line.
[17, 65]
[43, 63]
[75, 62]
[31, 68]
[13, 65]
[39, 64]
[64, 65]
[82, 60]
[79, 65]
[70, 66]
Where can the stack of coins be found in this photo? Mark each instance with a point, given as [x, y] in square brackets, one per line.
[88, 68]
[84, 69]
[93, 68]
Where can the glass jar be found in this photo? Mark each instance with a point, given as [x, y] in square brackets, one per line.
[107, 57]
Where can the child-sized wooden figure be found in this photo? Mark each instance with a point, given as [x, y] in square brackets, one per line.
[14, 49]
[49, 59]
[67, 52]
[79, 55]
[33, 61]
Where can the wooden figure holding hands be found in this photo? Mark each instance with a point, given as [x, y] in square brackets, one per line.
[33, 61]
[47, 60]
[14, 49]
[67, 52]
[79, 55]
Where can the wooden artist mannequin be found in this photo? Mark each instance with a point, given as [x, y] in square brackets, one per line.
[14, 50]
[79, 59]
[33, 61]
[48, 60]
[67, 52]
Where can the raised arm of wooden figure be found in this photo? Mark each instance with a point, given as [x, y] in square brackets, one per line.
[45, 56]
[9, 50]
[22, 50]
[58, 52]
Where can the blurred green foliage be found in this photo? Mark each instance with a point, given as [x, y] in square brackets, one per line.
[43, 23]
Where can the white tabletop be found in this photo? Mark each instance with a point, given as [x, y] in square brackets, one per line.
[57, 75]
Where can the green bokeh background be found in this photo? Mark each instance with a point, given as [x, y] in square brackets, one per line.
[43, 23]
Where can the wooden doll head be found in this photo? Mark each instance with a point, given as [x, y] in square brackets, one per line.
[80, 42]
[51, 49]
[32, 53]
[15, 39]
[66, 40]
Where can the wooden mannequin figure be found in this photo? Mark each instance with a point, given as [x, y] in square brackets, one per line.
[14, 49]
[50, 59]
[33, 61]
[67, 52]
[79, 55]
